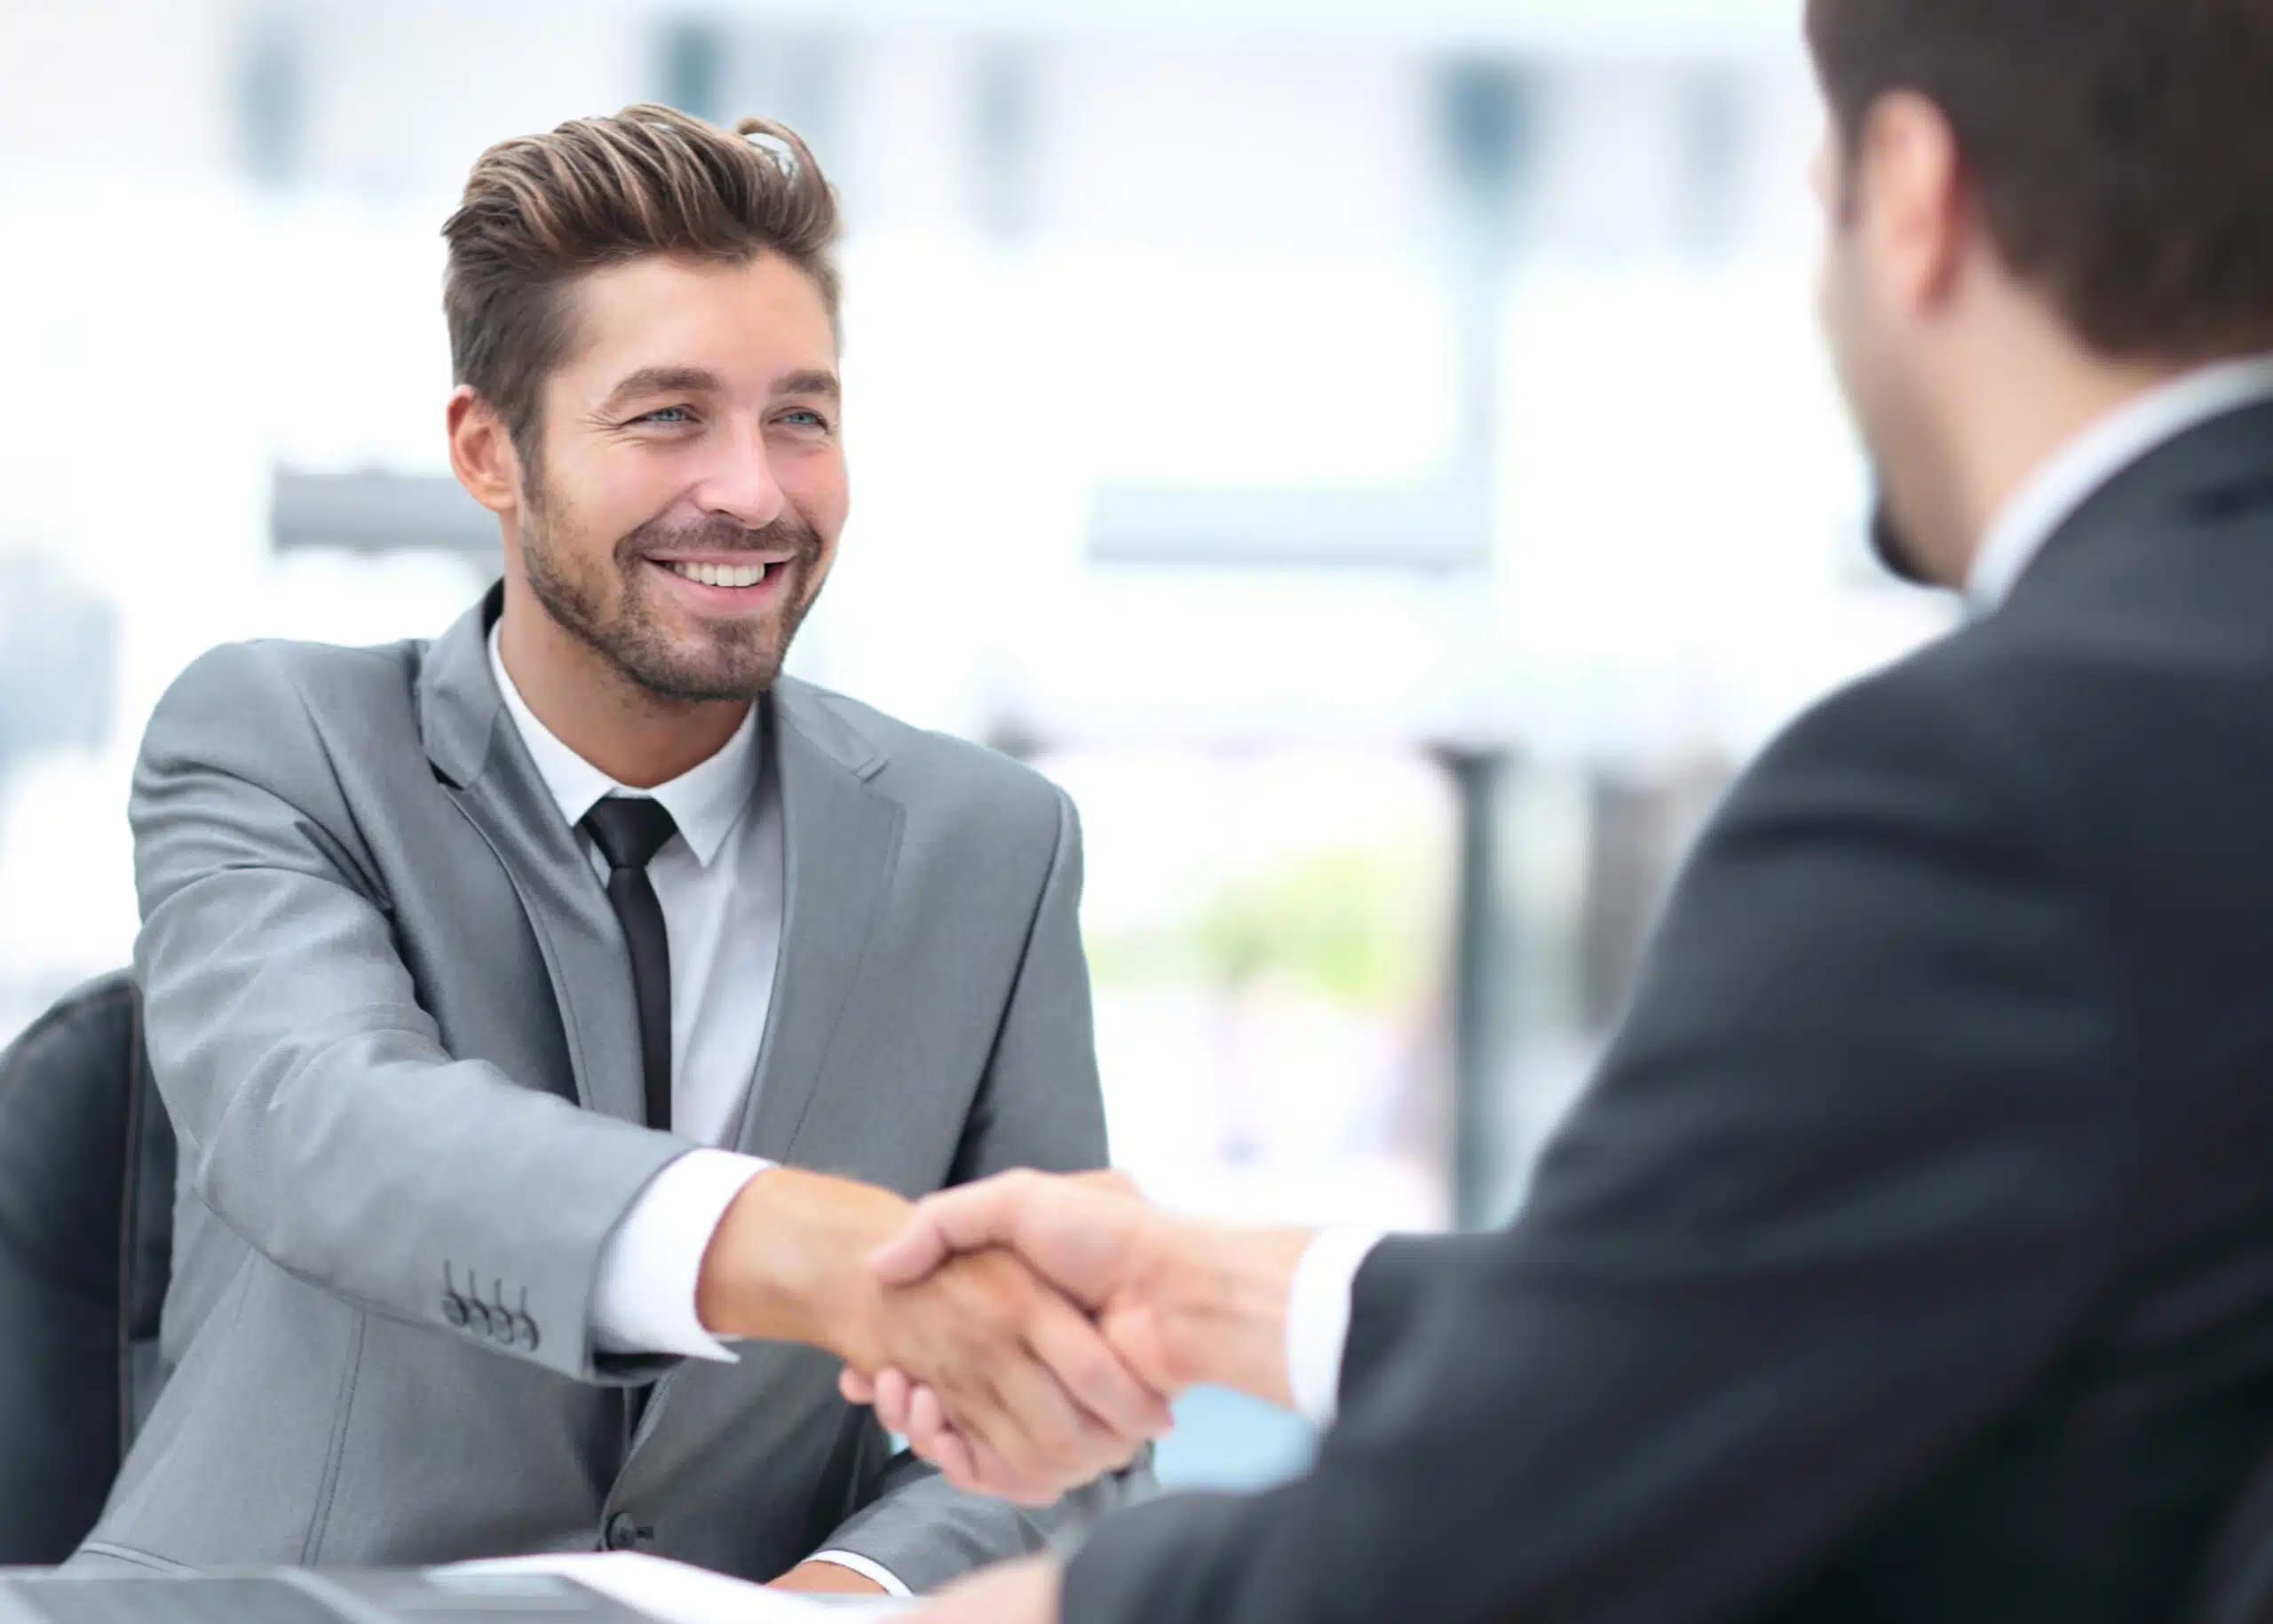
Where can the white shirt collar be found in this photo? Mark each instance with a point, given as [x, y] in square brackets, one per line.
[2073, 474]
[704, 801]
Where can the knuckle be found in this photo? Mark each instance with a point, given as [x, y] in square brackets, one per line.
[1056, 1435]
[1094, 1375]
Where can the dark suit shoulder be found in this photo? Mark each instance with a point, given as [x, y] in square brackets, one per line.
[2113, 701]
[1929, 747]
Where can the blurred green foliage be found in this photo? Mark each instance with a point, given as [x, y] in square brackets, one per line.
[1360, 928]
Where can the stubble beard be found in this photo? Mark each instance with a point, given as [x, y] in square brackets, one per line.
[725, 660]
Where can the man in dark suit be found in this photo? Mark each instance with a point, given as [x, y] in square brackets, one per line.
[1911, 1255]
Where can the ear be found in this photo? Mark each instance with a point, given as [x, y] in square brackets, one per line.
[1914, 205]
[481, 452]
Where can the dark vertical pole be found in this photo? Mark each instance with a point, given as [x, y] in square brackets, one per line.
[1484, 992]
[1487, 119]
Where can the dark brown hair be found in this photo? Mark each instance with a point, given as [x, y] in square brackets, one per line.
[540, 211]
[2122, 149]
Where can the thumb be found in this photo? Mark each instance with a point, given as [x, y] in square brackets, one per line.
[969, 1218]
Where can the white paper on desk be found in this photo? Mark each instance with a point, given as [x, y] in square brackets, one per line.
[676, 1593]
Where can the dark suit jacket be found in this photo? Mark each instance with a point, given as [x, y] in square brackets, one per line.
[1912, 1256]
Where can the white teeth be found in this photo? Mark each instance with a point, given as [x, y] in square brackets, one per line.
[721, 574]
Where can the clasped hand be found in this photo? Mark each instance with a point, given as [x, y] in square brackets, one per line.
[1088, 1238]
[1028, 1393]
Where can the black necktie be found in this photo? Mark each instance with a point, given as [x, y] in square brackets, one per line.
[629, 831]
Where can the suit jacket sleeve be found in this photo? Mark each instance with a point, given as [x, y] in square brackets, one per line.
[1385, 1300]
[1848, 1174]
[318, 1112]
[1038, 1105]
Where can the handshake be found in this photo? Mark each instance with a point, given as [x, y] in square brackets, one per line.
[1025, 1333]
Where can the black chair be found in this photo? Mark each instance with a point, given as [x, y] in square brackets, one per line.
[86, 1235]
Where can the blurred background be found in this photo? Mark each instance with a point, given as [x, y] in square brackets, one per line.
[1374, 453]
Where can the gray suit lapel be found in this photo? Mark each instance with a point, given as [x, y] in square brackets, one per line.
[840, 842]
[482, 764]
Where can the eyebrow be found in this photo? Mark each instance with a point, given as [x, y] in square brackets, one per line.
[660, 381]
[817, 381]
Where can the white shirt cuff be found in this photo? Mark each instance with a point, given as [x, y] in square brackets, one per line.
[1318, 1319]
[867, 1569]
[643, 1301]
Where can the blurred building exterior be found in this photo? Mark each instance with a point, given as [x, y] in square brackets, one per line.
[1376, 457]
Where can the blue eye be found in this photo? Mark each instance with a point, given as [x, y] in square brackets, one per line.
[669, 416]
[812, 419]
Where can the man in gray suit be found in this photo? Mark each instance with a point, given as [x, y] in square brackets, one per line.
[492, 982]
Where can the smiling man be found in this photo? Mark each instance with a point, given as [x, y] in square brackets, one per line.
[493, 983]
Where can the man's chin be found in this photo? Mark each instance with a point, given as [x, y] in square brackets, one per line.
[699, 664]
[1896, 552]
[708, 675]
[706, 655]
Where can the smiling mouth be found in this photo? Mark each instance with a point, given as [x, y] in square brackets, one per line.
[721, 574]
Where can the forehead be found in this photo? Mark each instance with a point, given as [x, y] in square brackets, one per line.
[749, 323]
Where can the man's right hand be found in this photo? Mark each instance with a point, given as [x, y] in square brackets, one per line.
[1012, 1366]
[1090, 1235]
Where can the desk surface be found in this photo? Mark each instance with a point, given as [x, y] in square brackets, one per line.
[675, 1593]
[618, 1584]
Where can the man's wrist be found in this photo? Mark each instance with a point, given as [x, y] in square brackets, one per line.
[786, 1263]
[1220, 1292]
[643, 1292]
[1318, 1319]
[843, 1573]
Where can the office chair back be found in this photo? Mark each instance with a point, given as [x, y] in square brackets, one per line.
[86, 1234]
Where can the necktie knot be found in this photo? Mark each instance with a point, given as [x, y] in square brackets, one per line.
[629, 829]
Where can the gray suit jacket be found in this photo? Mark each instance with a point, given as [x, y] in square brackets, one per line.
[391, 1013]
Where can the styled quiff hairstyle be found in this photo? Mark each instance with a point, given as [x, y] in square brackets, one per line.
[2122, 149]
[540, 211]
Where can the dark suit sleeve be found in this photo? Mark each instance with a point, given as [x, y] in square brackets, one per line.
[1848, 1172]
[1386, 1299]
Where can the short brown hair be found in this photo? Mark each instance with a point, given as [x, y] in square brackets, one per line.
[2122, 149]
[540, 211]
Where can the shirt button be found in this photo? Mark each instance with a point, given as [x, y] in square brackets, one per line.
[622, 1533]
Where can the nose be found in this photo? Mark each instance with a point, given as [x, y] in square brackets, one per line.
[739, 481]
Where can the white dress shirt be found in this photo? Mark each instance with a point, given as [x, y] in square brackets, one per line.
[2075, 474]
[720, 881]
[1318, 1305]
